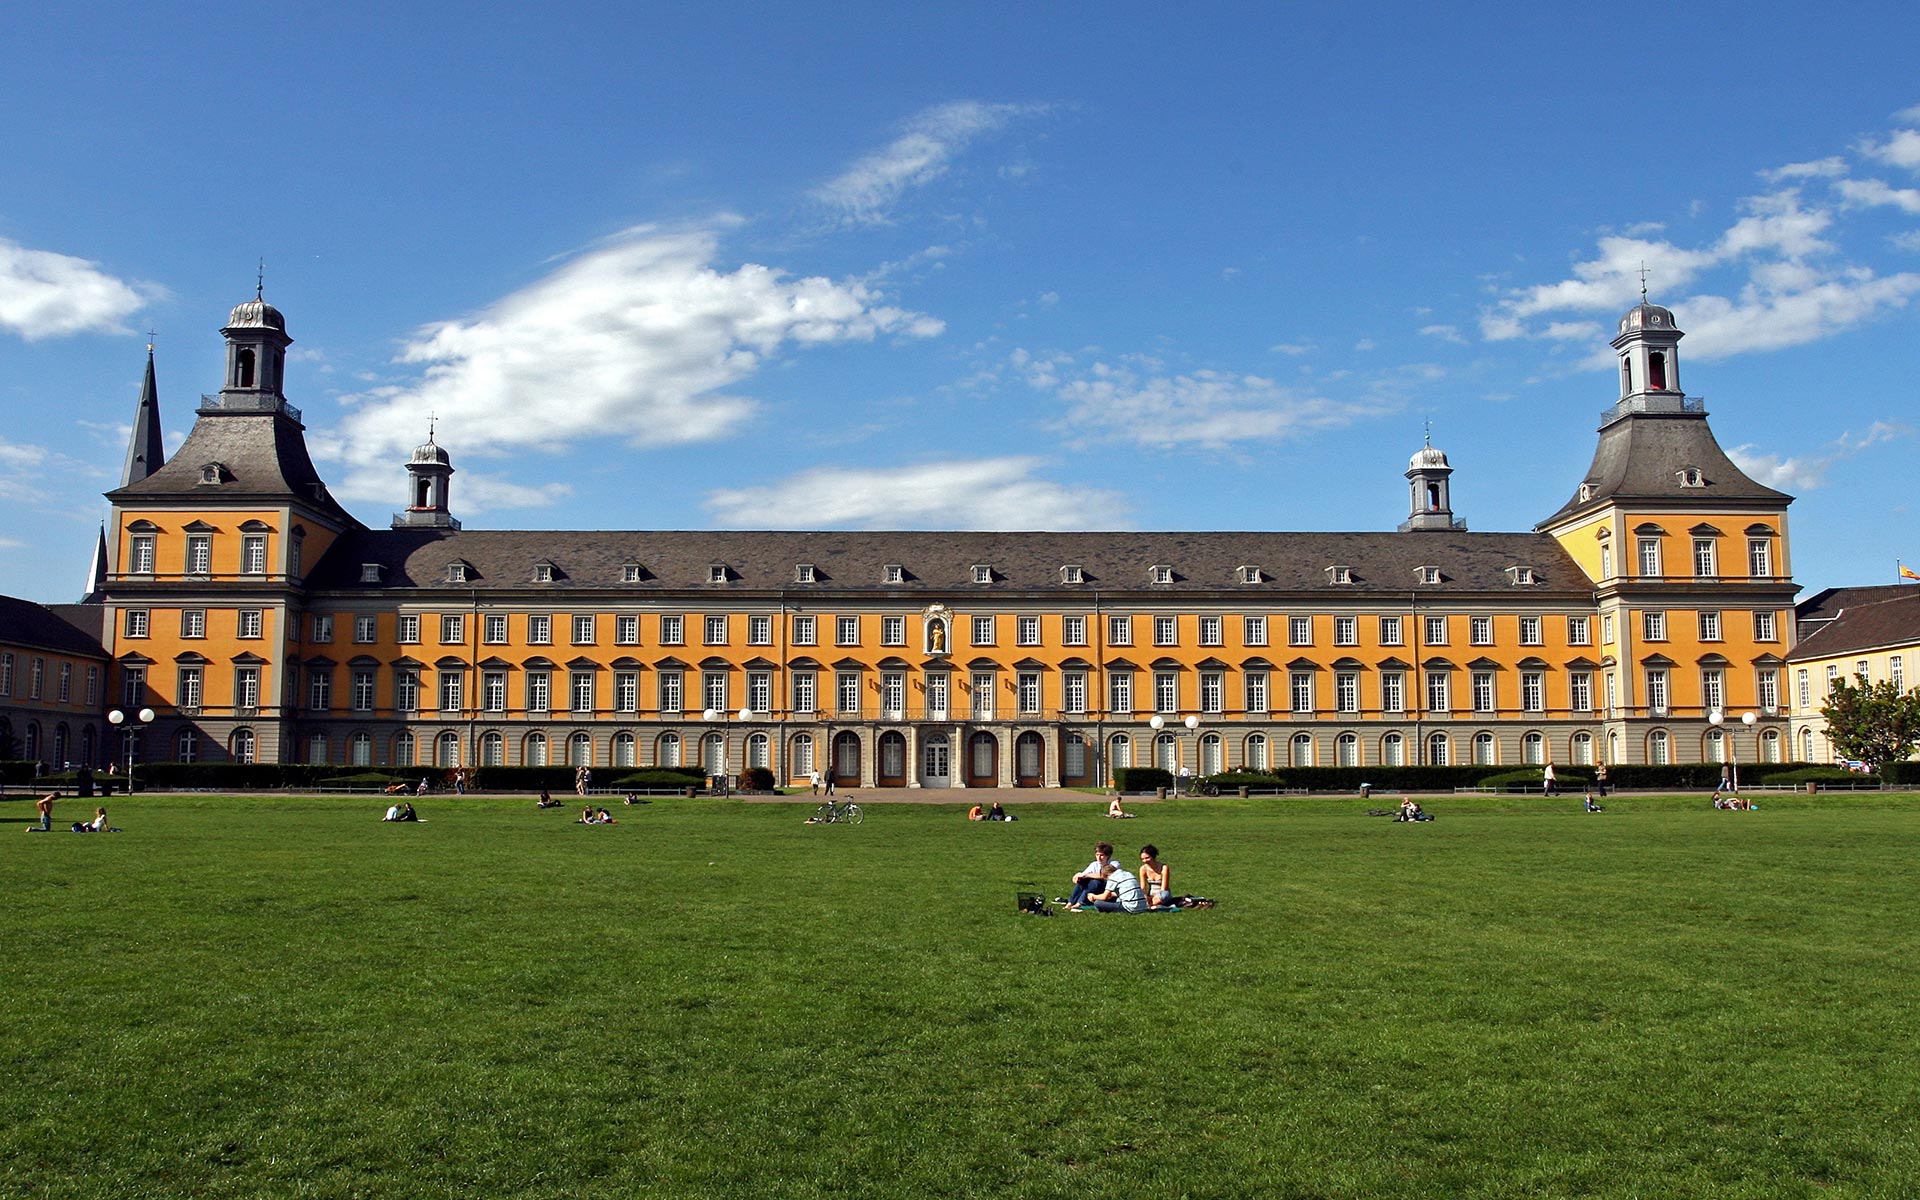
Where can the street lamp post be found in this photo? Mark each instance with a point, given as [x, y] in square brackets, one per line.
[130, 725]
[1716, 718]
[1193, 726]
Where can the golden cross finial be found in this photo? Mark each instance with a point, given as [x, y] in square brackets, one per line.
[260, 280]
[1643, 281]
[150, 336]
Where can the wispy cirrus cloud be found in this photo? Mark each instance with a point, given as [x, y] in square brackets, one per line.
[1804, 472]
[986, 493]
[865, 193]
[638, 341]
[45, 294]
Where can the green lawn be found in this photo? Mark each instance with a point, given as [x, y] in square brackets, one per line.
[286, 997]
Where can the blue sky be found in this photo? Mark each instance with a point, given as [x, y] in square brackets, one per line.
[982, 266]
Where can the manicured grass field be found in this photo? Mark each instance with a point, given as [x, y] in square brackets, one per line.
[285, 997]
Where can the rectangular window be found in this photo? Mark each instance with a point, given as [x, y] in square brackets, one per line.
[252, 623]
[1480, 631]
[1256, 687]
[1709, 626]
[539, 692]
[199, 554]
[452, 692]
[246, 688]
[1439, 694]
[1026, 631]
[937, 694]
[1166, 631]
[983, 631]
[1346, 631]
[673, 631]
[362, 698]
[1027, 688]
[759, 630]
[406, 692]
[493, 691]
[713, 690]
[253, 554]
[583, 629]
[66, 683]
[583, 691]
[1653, 626]
[982, 696]
[1713, 690]
[493, 629]
[1300, 691]
[409, 630]
[539, 630]
[1390, 634]
[1897, 672]
[846, 631]
[319, 691]
[140, 558]
[1768, 689]
[1210, 631]
[1299, 631]
[626, 630]
[893, 631]
[1119, 631]
[189, 692]
[1073, 692]
[1166, 692]
[1212, 687]
[1657, 691]
[803, 631]
[93, 683]
[1436, 631]
[1073, 631]
[1650, 557]
[1803, 690]
[6, 674]
[716, 631]
[1763, 626]
[1580, 691]
[1759, 556]
[893, 693]
[1606, 630]
[1579, 631]
[847, 692]
[136, 623]
[1254, 631]
[453, 629]
[1393, 692]
[1120, 693]
[1483, 691]
[1346, 691]
[1705, 561]
[1533, 691]
[805, 691]
[1530, 632]
[133, 683]
[626, 691]
[672, 692]
[322, 628]
[760, 692]
[365, 630]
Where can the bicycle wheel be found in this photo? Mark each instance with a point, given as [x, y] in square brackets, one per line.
[823, 814]
[1210, 789]
[851, 814]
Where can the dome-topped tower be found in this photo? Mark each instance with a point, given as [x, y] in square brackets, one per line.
[1649, 347]
[257, 344]
[429, 481]
[1429, 506]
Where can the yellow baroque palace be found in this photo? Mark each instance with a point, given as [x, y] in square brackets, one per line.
[262, 621]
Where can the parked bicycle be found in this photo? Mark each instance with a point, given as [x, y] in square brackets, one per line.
[833, 812]
[1198, 785]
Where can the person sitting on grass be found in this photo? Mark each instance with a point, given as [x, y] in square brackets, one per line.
[632, 799]
[1591, 806]
[393, 813]
[1410, 810]
[603, 817]
[1122, 894]
[1114, 810]
[996, 813]
[976, 813]
[99, 822]
[1156, 877]
[586, 816]
[1093, 878]
[406, 812]
[546, 800]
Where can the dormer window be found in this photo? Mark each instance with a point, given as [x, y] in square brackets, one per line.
[212, 472]
[630, 572]
[543, 572]
[456, 572]
[803, 573]
[1339, 574]
[895, 573]
[982, 573]
[1161, 573]
[1250, 574]
[1429, 574]
[371, 572]
[1691, 477]
[717, 573]
[1586, 492]
[1071, 573]
[1520, 576]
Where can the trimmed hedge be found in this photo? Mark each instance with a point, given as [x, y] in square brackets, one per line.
[1141, 779]
[756, 779]
[662, 777]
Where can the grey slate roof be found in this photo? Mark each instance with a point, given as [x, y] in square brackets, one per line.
[264, 456]
[62, 628]
[1639, 458]
[941, 563]
[145, 454]
[1852, 620]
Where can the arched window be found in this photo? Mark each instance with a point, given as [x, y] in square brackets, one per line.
[243, 369]
[667, 752]
[446, 749]
[240, 746]
[1347, 750]
[1659, 750]
[1657, 372]
[1212, 757]
[713, 753]
[1770, 746]
[759, 751]
[536, 753]
[1257, 759]
[403, 749]
[360, 749]
[1120, 751]
[1533, 749]
[580, 749]
[1166, 753]
[1483, 748]
[1437, 750]
[317, 748]
[1393, 750]
[1716, 746]
[1073, 756]
[60, 741]
[803, 754]
[33, 740]
[493, 750]
[1583, 748]
[1300, 750]
[624, 750]
[1806, 745]
[86, 744]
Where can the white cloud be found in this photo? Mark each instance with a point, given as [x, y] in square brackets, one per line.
[1819, 168]
[1900, 150]
[44, 294]
[34, 475]
[1870, 193]
[1909, 240]
[988, 493]
[1805, 472]
[1364, 345]
[1908, 116]
[1446, 333]
[1295, 349]
[635, 342]
[932, 139]
[1137, 400]
[1718, 327]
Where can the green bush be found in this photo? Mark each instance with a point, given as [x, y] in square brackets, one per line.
[756, 779]
[1141, 779]
[1229, 780]
[1822, 775]
[654, 778]
[16, 771]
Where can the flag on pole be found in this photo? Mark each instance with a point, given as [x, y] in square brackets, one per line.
[1906, 572]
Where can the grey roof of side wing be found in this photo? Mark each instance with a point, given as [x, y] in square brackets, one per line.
[1869, 625]
[64, 628]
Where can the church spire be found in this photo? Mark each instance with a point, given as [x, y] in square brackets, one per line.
[144, 453]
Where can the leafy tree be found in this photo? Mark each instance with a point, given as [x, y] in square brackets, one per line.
[1873, 722]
